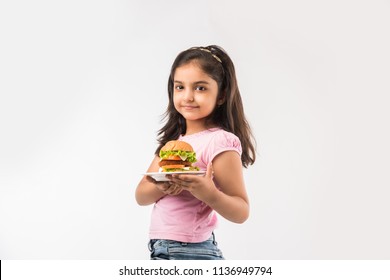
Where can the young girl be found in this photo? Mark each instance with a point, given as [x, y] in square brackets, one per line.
[206, 111]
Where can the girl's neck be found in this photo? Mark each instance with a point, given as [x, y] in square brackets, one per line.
[195, 127]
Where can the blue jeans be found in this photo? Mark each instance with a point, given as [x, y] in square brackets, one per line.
[161, 249]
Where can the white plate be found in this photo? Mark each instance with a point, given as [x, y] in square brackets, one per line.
[160, 176]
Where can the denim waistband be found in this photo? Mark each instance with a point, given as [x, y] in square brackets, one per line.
[211, 238]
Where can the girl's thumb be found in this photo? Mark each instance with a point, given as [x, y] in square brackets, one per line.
[209, 171]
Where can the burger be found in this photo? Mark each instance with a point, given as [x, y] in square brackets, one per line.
[177, 155]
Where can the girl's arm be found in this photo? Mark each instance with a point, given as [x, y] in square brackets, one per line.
[232, 201]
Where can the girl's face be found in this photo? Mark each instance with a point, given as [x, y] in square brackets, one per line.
[194, 93]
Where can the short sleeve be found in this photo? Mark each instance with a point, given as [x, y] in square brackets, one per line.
[224, 141]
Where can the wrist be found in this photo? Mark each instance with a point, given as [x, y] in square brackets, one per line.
[213, 196]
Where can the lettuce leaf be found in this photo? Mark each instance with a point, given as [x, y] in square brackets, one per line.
[184, 155]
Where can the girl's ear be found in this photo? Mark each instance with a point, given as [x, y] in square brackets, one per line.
[221, 100]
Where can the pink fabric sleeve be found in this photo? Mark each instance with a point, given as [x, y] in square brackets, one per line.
[222, 142]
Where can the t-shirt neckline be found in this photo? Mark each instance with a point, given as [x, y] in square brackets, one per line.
[196, 134]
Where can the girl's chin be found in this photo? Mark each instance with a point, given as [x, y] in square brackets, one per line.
[192, 117]
[192, 114]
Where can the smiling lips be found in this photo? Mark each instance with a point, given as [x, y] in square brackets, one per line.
[189, 107]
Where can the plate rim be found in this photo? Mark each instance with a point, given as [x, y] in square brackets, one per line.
[161, 176]
[174, 172]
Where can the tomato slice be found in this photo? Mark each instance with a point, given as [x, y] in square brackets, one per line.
[172, 166]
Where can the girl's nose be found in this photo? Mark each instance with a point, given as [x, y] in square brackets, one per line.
[189, 95]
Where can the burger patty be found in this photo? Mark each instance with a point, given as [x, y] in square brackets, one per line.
[174, 162]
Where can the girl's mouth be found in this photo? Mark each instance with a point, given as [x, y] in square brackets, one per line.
[188, 107]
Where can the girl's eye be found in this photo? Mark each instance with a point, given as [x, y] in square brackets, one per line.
[178, 87]
[200, 88]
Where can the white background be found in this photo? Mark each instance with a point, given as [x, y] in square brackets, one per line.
[83, 86]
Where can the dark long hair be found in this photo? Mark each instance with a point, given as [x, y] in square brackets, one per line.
[229, 116]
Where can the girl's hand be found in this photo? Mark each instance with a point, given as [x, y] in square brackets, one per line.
[169, 188]
[166, 187]
[200, 187]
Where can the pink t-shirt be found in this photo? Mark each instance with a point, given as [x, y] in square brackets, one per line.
[183, 217]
